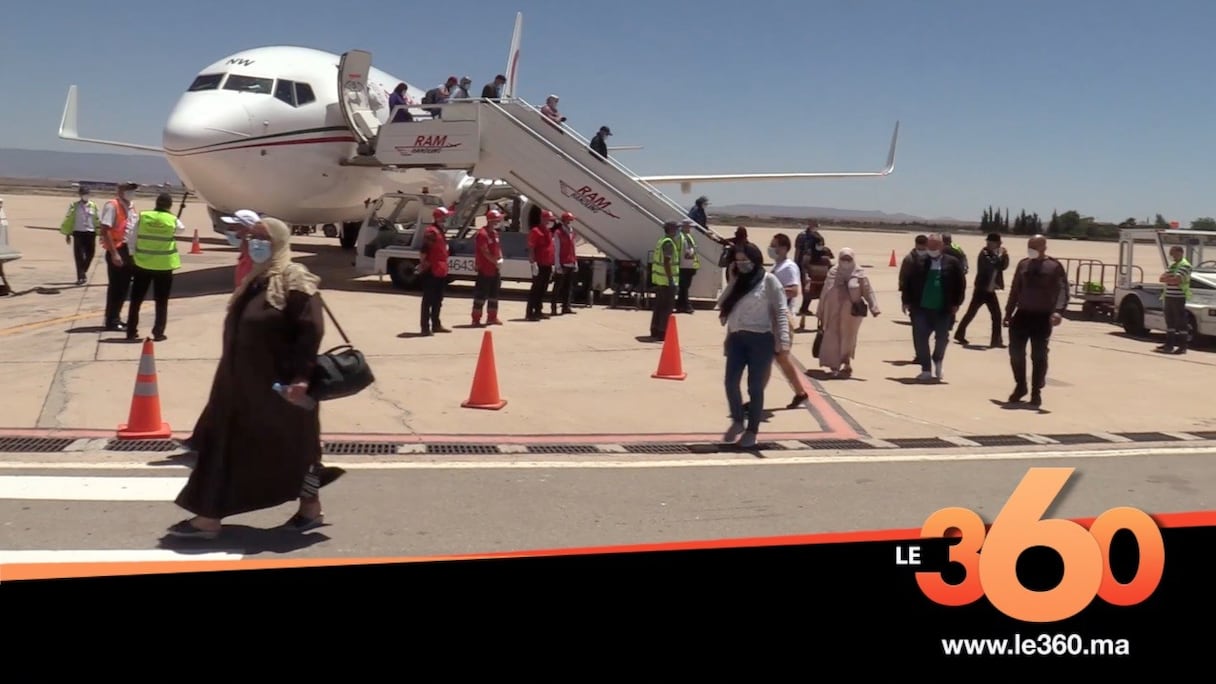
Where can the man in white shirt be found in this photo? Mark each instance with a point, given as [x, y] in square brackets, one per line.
[790, 276]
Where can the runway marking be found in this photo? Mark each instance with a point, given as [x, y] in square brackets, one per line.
[54, 488]
[12, 330]
[108, 556]
[768, 459]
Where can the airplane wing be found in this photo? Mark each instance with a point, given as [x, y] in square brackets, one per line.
[686, 181]
[67, 128]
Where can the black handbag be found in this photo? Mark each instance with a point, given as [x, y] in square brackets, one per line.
[340, 372]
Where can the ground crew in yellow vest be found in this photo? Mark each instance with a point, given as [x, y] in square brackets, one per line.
[153, 241]
[1174, 298]
[665, 277]
[690, 261]
[79, 229]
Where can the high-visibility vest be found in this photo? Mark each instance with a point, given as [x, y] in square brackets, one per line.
[657, 275]
[69, 221]
[1185, 285]
[689, 241]
[156, 242]
[118, 231]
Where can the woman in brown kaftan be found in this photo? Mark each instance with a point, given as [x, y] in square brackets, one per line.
[256, 448]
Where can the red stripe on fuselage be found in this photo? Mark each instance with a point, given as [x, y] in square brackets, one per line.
[276, 143]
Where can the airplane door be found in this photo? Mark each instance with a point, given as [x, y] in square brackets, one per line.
[353, 97]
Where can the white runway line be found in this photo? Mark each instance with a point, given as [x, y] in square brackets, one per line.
[52, 488]
[173, 484]
[107, 556]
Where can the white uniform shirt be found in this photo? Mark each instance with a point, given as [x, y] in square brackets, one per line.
[790, 276]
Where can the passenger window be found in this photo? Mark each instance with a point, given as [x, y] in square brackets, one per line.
[284, 91]
[205, 82]
[249, 84]
[304, 94]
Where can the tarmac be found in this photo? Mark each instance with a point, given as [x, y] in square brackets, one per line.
[579, 392]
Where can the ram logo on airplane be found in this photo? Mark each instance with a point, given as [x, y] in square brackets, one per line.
[427, 144]
[593, 201]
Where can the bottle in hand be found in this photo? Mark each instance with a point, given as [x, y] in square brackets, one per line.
[305, 402]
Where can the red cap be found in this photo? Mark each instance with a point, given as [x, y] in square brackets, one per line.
[567, 217]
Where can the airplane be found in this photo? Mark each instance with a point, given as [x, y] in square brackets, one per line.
[265, 128]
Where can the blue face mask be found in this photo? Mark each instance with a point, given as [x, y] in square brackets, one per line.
[259, 250]
[233, 239]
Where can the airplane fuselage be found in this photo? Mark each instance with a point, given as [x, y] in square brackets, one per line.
[262, 129]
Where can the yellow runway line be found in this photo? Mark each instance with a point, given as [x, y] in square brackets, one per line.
[50, 321]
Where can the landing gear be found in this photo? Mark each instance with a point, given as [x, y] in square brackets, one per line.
[350, 233]
[330, 230]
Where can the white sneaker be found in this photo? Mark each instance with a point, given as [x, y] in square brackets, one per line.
[733, 433]
[924, 376]
[937, 369]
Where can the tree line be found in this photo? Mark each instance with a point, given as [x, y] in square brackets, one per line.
[1072, 224]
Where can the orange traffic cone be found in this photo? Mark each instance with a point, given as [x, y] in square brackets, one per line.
[670, 365]
[892, 262]
[484, 393]
[196, 248]
[145, 421]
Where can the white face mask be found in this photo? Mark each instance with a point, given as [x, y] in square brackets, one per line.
[847, 266]
[773, 253]
[1032, 253]
[260, 251]
[935, 253]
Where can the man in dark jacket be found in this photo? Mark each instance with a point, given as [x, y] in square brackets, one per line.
[933, 293]
[599, 145]
[697, 213]
[990, 265]
[493, 90]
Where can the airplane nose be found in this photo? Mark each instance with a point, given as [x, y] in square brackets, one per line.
[195, 125]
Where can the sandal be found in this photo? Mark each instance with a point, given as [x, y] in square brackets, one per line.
[186, 530]
[300, 523]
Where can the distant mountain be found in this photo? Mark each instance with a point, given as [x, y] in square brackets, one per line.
[85, 166]
[778, 211]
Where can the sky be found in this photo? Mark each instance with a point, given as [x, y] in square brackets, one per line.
[1104, 107]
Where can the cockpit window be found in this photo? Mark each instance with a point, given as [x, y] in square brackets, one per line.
[205, 82]
[284, 91]
[304, 94]
[249, 84]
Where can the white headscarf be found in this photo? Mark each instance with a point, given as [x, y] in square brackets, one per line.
[283, 275]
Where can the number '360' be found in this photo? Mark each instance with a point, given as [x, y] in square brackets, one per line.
[1020, 526]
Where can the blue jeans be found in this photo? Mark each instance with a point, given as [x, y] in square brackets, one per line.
[753, 351]
[926, 323]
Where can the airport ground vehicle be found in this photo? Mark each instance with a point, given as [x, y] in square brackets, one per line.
[1137, 299]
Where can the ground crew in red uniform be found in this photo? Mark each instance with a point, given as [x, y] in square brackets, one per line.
[433, 272]
[489, 274]
[540, 254]
[566, 262]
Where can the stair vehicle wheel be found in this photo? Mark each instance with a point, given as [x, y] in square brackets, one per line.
[1131, 315]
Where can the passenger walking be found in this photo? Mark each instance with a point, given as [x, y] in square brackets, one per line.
[787, 273]
[155, 259]
[258, 449]
[690, 263]
[541, 253]
[550, 109]
[461, 90]
[808, 247]
[1177, 293]
[848, 296]
[934, 291]
[1038, 297]
[753, 309]
[493, 90]
[665, 277]
[433, 271]
[990, 265]
[117, 217]
[697, 212]
[79, 228]
[488, 283]
[241, 221]
[599, 145]
[565, 262]
[729, 249]
[400, 97]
